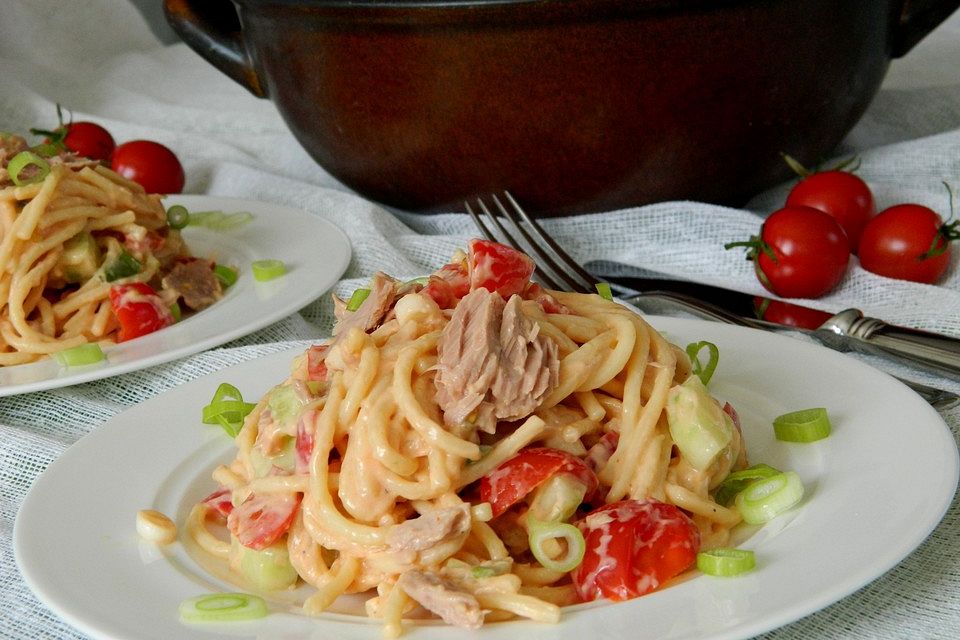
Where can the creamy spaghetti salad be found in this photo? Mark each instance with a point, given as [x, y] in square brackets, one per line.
[472, 447]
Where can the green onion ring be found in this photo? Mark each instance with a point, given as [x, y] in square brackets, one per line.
[176, 311]
[78, 356]
[264, 270]
[223, 607]
[178, 217]
[726, 562]
[539, 532]
[704, 372]
[226, 275]
[357, 299]
[740, 480]
[227, 409]
[603, 288]
[23, 160]
[806, 425]
[765, 499]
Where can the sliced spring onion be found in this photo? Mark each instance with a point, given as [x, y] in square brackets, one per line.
[226, 275]
[422, 281]
[227, 409]
[264, 270]
[176, 312]
[357, 299]
[124, 266]
[765, 499]
[218, 220]
[603, 288]
[177, 216]
[539, 533]
[482, 572]
[23, 160]
[806, 425]
[740, 480]
[704, 372]
[223, 607]
[78, 356]
[726, 562]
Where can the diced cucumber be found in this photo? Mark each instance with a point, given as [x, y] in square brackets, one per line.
[284, 404]
[80, 258]
[268, 569]
[286, 459]
[698, 425]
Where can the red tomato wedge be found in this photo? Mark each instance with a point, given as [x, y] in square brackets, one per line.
[633, 547]
[220, 501]
[316, 362]
[304, 444]
[448, 284]
[498, 268]
[513, 480]
[262, 519]
[139, 310]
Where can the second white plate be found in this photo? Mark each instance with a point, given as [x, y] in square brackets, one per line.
[316, 254]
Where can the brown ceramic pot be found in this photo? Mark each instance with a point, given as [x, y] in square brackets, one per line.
[573, 105]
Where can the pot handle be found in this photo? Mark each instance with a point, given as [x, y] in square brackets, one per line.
[917, 19]
[213, 30]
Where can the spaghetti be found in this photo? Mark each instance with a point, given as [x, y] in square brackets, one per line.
[66, 242]
[353, 472]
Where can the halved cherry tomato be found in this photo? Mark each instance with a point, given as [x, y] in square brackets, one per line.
[221, 501]
[498, 268]
[633, 547]
[908, 242]
[139, 310]
[150, 164]
[262, 519]
[841, 194]
[509, 483]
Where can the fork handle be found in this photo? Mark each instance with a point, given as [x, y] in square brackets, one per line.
[933, 350]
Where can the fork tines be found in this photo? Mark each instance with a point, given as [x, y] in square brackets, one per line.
[567, 275]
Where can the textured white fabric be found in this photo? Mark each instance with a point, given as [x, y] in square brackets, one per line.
[100, 60]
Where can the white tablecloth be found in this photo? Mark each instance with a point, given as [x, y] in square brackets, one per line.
[99, 60]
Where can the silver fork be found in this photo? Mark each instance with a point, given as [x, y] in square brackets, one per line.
[556, 269]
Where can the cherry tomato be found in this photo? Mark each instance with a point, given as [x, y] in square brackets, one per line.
[633, 547]
[316, 362]
[150, 164]
[841, 194]
[801, 252]
[139, 310]
[304, 442]
[908, 242]
[449, 283]
[509, 483]
[790, 315]
[262, 519]
[221, 501]
[498, 268]
[89, 140]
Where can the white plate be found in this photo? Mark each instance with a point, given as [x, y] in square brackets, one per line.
[316, 254]
[76, 545]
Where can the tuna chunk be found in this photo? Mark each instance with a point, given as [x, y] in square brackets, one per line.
[195, 281]
[429, 529]
[383, 293]
[441, 597]
[493, 364]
